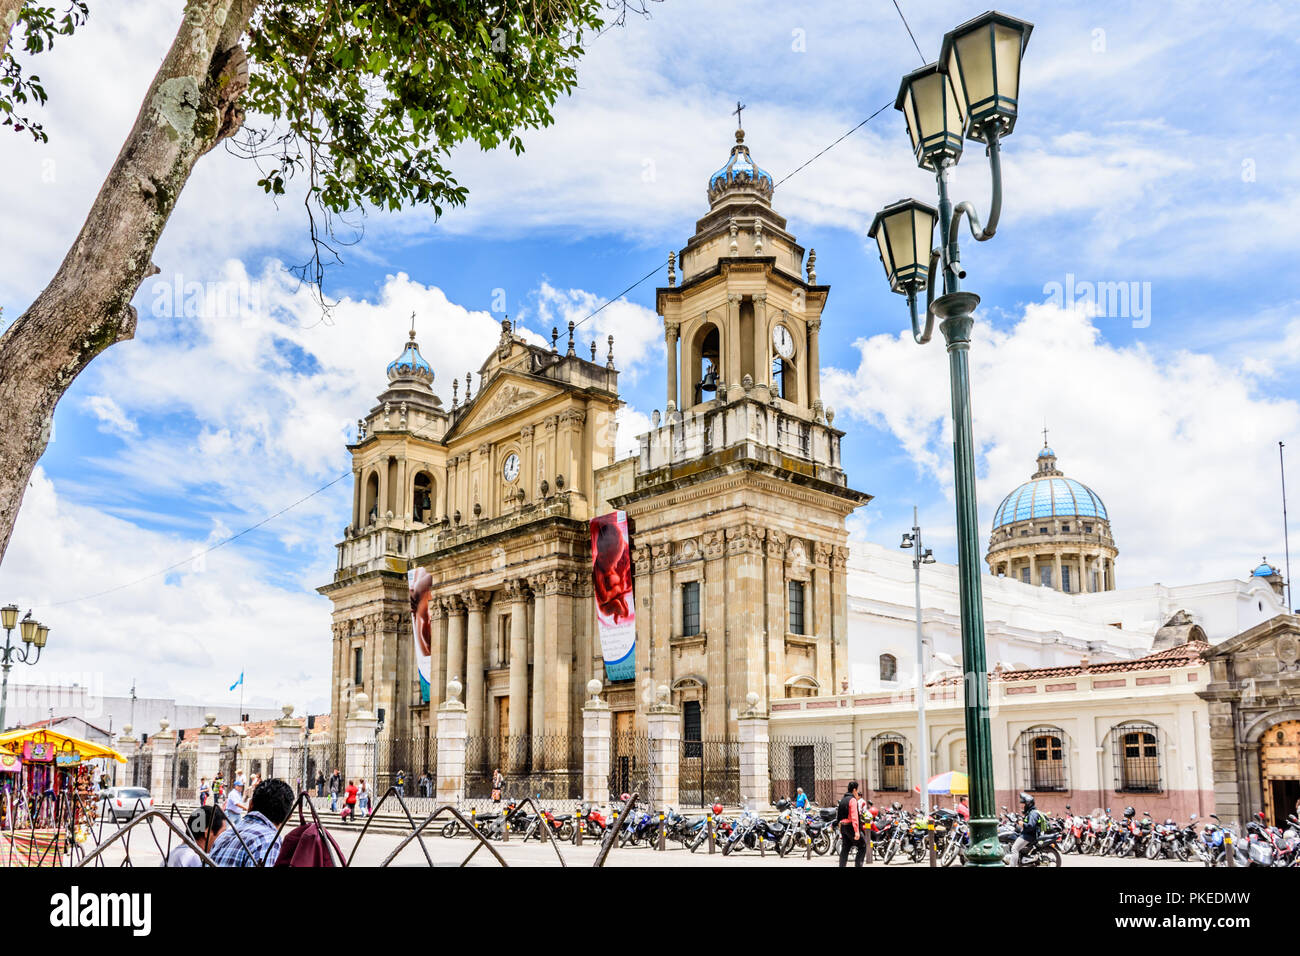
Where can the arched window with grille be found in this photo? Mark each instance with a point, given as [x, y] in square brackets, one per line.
[1136, 749]
[888, 667]
[1044, 754]
[889, 759]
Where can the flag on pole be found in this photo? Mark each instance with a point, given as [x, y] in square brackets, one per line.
[239, 682]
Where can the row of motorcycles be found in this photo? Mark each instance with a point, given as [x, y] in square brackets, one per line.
[1132, 836]
[897, 833]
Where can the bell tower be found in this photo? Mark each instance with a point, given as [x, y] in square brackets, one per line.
[744, 321]
[737, 498]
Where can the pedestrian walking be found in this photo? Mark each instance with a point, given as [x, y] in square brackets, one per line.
[349, 812]
[235, 803]
[363, 799]
[848, 820]
[205, 791]
[498, 782]
[320, 783]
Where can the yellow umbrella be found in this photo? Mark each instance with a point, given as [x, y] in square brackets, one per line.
[952, 782]
[10, 738]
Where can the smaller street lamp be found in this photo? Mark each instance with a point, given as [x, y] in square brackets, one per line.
[33, 634]
[920, 555]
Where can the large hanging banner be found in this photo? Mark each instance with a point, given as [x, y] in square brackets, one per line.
[611, 578]
[420, 584]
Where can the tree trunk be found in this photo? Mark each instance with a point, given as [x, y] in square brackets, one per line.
[192, 104]
[8, 17]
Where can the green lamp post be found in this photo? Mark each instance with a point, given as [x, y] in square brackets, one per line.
[972, 92]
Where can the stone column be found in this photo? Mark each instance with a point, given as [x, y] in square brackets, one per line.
[455, 610]
[451, 745]
[1056, 570]
[665, 723]
[285, 739]
[437, 655]
[713, 611]
[538, 704]
[559, 639]
[476, 602]
[729, 361]
[207, 752]
[359, 754]
[819, 603]
[775, 545]
[162, 785]
[517, 595]
[1033, 570]
[762, 347]
[755, 785]
[671, 330]
[596, 721]
[814, 372]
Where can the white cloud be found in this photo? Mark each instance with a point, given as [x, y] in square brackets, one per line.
[636, 329]
[1182, 448]
[111, 417]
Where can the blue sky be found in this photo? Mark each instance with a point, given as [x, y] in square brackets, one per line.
[1154, 148]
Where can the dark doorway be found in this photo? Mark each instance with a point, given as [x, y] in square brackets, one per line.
[804, 761]
[1285, 795]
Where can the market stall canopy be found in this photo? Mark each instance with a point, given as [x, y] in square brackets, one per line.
[13, 740]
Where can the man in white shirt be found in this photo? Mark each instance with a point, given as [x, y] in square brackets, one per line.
[236, 805]
[204, 825]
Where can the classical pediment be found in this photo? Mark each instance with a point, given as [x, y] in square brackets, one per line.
[504, 395]
[1279, 635]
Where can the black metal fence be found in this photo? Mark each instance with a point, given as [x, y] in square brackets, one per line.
[547, 766]
[709, 772]
[806, 762]
[310, 767]
[185, 775]
[140, 772]
[1135, 747]
[629, 765]
[411, 762]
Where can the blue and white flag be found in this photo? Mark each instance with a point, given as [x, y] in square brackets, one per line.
[238, 682]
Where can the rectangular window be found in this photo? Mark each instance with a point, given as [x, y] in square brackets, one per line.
[1045, 577]
[691, 608]
[1024, 575]
[356, 666]
[796, 607]
[1065, 578]
[692, 734]
[1096, 582]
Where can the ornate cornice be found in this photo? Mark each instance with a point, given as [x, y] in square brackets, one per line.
[672, 329]
[573, 416]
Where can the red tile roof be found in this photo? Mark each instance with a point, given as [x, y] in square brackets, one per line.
[1182, 655]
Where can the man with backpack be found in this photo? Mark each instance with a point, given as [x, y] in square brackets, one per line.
[847, 819]
[1029, 829]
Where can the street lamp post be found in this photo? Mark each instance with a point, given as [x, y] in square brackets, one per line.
[33, 634]
[972, 92]
[920, 556]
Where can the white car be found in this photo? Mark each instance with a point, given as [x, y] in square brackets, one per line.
[123, 803]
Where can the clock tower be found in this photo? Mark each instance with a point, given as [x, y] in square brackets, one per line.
[738, 497]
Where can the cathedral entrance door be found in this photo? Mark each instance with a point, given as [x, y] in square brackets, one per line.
[1279, 764]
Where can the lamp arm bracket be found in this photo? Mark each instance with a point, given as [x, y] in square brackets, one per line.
[920, 336]
[982, 232]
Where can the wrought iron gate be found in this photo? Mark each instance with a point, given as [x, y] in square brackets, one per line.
[709, 772]
[802, 762]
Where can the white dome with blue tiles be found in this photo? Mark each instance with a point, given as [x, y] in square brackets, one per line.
[1053, 531]
[1049, 494]
[740, 172]
[411, 364]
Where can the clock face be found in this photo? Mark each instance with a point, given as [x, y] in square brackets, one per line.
[510, 469]
[782, 341]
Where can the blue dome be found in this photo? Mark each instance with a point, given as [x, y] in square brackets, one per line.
[410, 363]
[1265, 570]
[740, 168]
[1046, 453]
[1049, 497]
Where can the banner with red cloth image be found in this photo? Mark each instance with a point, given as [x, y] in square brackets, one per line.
[611, 578]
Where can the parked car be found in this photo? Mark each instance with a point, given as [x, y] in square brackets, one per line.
[125, 802]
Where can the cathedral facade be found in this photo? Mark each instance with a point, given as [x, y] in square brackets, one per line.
[736, 507]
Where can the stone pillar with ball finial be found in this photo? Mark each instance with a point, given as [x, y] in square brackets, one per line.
[163, 745]
[753, 733]
[208, 750]
[359, 744]
[665, 726]
[596, 719]
[127, 745]
[451, 732]
[285, 739]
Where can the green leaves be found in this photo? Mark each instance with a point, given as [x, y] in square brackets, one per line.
[38, 25]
